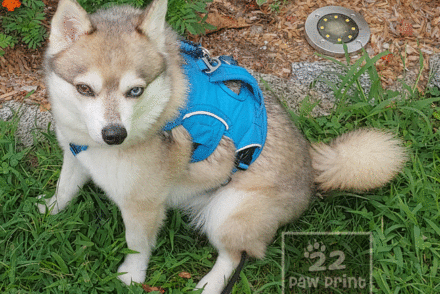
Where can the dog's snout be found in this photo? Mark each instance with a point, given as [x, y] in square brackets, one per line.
[114, 134]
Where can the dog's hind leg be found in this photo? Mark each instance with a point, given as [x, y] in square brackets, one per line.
[210, 218]
[239, 220]
[72, 178]
[217, 278]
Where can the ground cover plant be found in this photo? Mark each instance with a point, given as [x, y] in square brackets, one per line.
[79, 250]
[21, 21]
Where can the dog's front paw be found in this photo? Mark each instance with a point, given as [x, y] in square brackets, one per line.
[50, 205]
[133, 272]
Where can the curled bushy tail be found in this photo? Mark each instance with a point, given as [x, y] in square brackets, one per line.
[359, 160]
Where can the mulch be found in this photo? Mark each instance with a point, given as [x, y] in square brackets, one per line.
[268, 40]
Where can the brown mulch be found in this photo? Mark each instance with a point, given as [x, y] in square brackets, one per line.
[273, 40]
[268, 40]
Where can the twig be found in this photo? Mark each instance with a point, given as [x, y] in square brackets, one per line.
[2, 97]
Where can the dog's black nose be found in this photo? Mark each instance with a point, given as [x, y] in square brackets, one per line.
[114, 134]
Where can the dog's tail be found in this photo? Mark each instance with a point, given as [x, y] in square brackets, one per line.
[359, 160]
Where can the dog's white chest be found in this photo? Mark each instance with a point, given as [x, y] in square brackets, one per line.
[109, 170]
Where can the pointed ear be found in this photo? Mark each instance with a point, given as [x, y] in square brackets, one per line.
[68, 24]
[152, 22]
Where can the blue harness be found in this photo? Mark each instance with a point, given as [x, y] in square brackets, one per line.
[213, 110]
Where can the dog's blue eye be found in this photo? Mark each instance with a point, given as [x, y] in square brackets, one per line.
[85, 90]
[135, 92]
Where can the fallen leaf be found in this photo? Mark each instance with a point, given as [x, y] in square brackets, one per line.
[224, 22]
[185, 275]
[4, 96]
[45, 107]
[149, 289]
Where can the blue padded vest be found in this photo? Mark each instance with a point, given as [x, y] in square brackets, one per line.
[213, 110]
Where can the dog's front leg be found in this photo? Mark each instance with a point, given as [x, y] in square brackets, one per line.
[73, 176]
[142, 221]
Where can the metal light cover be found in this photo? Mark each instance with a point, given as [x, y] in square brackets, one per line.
[328, 27]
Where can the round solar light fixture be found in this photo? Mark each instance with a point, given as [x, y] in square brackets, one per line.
[327, 28]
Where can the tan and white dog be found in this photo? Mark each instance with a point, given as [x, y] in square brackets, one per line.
[115, 79]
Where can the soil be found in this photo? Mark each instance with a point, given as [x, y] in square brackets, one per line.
[268, 39]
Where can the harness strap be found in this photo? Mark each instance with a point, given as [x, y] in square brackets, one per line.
[191, 48]
[236, 276]
[76, 149]
[228, 72]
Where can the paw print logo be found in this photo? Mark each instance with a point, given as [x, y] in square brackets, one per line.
[310, 248]
[317, 250]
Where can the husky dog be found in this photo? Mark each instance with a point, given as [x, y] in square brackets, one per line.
[115, 80]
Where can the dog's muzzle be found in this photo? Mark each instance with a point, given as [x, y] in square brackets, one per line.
[114, 134]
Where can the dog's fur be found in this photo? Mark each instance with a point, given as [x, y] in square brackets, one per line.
[117, 49]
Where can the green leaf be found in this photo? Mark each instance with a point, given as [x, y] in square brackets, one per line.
[433, 225]
[245, 283]
[191, 29]
[61, 263]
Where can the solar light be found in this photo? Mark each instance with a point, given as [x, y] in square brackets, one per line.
[328, 27]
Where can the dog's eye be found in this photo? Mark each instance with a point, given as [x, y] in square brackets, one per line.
[135, 92]
[85, 90]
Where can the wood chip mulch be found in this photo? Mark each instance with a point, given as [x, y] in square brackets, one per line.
[268, 39]
[272, 40]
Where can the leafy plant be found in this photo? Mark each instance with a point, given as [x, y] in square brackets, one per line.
[183, 16]
[91, 6]
[6, 41]
[274, 6]
[24, 24]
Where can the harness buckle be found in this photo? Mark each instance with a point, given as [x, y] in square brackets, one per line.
[211, 63]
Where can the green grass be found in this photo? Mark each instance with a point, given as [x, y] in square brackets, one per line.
[79, 250]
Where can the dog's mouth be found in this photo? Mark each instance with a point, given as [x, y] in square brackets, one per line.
[114, 134]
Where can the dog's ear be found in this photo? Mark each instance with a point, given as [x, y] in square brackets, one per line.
[152, 22]
[68, 24]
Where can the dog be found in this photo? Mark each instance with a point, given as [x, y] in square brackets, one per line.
[116, 79]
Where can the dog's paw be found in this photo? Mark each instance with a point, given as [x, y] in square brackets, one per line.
[210, 286]
[50, 205]
[133, 272]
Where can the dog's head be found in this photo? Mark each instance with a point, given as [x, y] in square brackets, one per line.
[113, 76]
